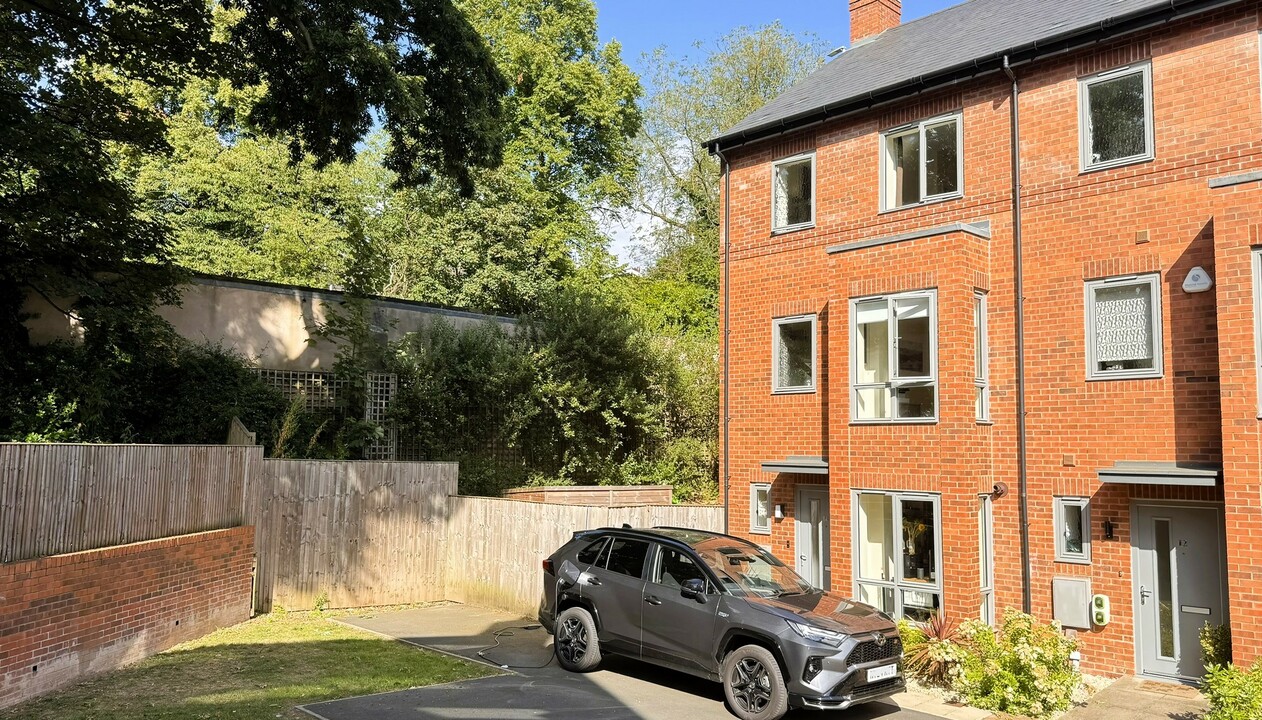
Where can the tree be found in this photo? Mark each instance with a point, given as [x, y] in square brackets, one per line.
[71, 225]
[693, 100]
[570, 119]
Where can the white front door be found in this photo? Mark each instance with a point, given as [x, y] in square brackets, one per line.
[812, 536]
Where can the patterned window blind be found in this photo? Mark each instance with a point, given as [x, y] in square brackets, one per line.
[1123, 323]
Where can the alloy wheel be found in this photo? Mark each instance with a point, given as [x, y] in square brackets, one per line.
[751, 685]
[572, 640]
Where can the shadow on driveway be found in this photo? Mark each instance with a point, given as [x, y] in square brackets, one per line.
[536, 687]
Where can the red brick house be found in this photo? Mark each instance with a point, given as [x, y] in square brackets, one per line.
[949, 318]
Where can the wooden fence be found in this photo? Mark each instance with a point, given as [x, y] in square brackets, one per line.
[69, 497]
[350, 533]
[495, 547]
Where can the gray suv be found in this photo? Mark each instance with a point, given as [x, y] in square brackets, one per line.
[719, 607]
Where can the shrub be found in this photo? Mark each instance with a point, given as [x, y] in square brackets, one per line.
[932, 650]
[1234, 693]
[1023, 668]
[1215, 644]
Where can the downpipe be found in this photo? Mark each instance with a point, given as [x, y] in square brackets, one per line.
[1019, 293]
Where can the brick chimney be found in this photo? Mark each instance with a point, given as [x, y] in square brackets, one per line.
[869, 18]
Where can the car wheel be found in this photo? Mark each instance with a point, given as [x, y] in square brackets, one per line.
[753, 684]
[574, 641]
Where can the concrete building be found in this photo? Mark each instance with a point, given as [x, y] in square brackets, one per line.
[991, 282]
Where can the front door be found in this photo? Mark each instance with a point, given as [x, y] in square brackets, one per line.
[1180, 566]
[812, 536]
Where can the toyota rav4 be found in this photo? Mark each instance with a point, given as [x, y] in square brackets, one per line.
[719, 607]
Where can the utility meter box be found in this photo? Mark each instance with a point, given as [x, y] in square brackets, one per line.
[1100, 610]
[1071, 602]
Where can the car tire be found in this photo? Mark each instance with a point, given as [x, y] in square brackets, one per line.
[574, 641]
[753, 684]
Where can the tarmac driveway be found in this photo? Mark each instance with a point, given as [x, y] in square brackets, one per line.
[535, 687]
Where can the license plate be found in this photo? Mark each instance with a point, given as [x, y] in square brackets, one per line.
[884, 672]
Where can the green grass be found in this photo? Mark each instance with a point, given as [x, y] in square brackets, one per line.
[258, 669]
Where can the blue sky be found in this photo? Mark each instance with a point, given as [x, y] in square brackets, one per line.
[641, 25]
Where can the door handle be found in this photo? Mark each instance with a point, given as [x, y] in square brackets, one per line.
[1144, 594]
[593, 580]
[652, 600]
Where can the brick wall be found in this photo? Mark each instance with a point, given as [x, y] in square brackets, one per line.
[66, 616]
[1158, 216]
[605, 496]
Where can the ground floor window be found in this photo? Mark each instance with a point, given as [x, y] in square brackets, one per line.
[898, 563]
[986, 553]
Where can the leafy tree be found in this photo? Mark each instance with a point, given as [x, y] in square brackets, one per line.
[570, 119]
[71, 224]
[693, 100]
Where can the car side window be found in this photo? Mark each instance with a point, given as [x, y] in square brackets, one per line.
[627, 556]
[588, 555]
[674, 568]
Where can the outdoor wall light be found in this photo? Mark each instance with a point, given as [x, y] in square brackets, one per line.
[779, 512]
[1108, 529]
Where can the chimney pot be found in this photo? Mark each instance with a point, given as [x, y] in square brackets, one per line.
[869, 18]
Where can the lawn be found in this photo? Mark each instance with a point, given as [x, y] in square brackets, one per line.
[258, 669]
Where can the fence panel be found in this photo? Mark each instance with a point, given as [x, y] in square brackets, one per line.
[60, 498]
[495, 546]
[356, 532]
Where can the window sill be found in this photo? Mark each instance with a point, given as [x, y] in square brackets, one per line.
[1126, 376]
[1073, 561]
[985, 422]
[758, 531]
[922, 203]
[896, 421]
[1123, 162]
[793, 391]
[792, 228]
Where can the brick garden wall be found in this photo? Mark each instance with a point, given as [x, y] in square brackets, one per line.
[66, 616]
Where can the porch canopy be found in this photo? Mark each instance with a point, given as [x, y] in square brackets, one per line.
[801, 464]
[1161, 473]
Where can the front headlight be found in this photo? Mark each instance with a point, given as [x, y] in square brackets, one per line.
[817, 634]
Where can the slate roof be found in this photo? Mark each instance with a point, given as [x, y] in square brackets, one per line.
[958, 38]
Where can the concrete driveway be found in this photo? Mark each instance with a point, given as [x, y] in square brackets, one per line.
[535, 687]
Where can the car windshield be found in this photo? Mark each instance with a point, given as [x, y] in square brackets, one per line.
[750, 570]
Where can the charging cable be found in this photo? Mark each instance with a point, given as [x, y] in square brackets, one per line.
[508, 632]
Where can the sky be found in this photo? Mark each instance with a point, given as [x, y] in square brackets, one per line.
[643, 25]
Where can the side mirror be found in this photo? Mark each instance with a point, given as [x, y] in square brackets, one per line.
[693, 589]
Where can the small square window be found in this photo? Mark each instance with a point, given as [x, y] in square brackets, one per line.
[1073, 530]
[760, 508]
[793, 193]
[1116, 117]
[1124, 328]
[793, 354]
[922, 163]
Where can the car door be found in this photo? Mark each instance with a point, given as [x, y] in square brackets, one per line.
[615, 586]
[678, 630]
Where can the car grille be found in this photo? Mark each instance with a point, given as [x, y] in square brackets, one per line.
[877, 688]
[869, 652]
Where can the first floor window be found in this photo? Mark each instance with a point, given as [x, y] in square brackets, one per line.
[1257, 315]
[793, 354]
[760, 508]
[922, 162]
[793, 193]
[1073, 530]
[894, 359]
[1124, 327]
[898, 565]
[981, 359]
[1116, 123]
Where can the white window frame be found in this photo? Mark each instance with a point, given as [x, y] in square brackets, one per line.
[1084, 117]
[1158, 350]
[981, 335]
[895, 382]
[776, 324]
[775, 167]
[897, 584]
[986, 556]
[886, 173]
[754, 527]
[1256, 259]
[1062, 554]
